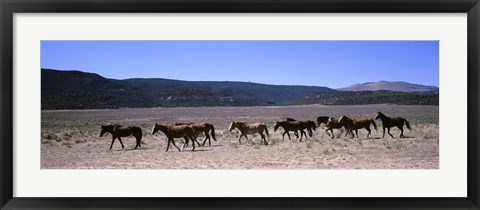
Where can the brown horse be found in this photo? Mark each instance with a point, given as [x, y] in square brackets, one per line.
[310, 126]
[118, 131]
[322, 119]
[249, 129]
[292, 126]
[389, 122]
[202, 127]
[176, 131]
[355, 124]
[333, 123]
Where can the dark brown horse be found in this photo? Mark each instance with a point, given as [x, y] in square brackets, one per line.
[322, 119]
[358, 123]
[333, 123]
[389, 122]
[202, 128]
[119, 131]
[176, 131]
[310, 126]
[249, 129]
[292, 126]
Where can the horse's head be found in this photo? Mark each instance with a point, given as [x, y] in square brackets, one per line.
[277, 124]
[310, 132]
[232, 126]
[154, 129]
[104, 129]
[379, 115]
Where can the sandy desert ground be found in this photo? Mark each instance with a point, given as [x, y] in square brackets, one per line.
[70, 140]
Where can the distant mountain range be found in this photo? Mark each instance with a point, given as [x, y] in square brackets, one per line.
[81, 90]
[391, 86]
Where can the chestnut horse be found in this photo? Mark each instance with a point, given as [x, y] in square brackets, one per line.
[310, 126]
[292, 126]
[118, 131]
[332, 123]
[202, 127]
[355, 124]
[249, 129]
[176, 131]
[389, 122]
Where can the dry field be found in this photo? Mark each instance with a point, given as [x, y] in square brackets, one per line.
[70, 140]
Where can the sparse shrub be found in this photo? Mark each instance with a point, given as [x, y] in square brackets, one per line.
[309, 144]
[80, 141]
[274, 141]
[233, 144]
[68, 144]
[50, 137]
[67, 136]
[329, 151]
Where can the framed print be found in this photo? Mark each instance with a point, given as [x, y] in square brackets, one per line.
[241, 104]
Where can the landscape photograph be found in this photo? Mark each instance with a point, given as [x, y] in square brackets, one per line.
[236, 104]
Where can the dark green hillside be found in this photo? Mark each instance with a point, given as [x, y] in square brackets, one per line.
[370, 97]
[79, 90]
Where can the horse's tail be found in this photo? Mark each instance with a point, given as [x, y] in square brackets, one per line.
[195, 135]
[212, 131]
[374, 124]
[408, 124]
[266, 131]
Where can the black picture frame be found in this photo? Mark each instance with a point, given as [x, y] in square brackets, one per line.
[10, 7]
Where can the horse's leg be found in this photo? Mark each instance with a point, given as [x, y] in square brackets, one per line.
[113, 140]
[288, 134]
[384, 131]
[401, 129]
[206, 137]
[186, 143]
[301, 135]
[388, 129]
[195, 140]
[369, 131]
[139, 141]
[264, 139]
[136, 145]
[248, 140]
[168, 144]
[173, 142]
[191, 137]
[283, 136]
[239, 139]
[119, 139]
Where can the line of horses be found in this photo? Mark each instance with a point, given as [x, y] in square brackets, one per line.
[190, 131]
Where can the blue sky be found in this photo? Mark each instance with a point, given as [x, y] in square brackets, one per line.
[333, 64]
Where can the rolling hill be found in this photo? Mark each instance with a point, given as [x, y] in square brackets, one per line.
[81, 90]
[391, 86]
